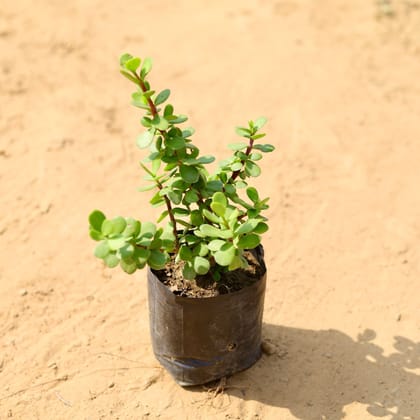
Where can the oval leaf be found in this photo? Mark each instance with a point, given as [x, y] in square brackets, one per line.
[102, 250]
[247, 227]
[249, 241]
[237, 146]
[96, 219]
[215, 244]
[144, 140]
[157, 260]
[201, 265]
[132, 64]
[111, 260]
[252, 193]
[189, 174]
[260, 122]
[162, 96]
[225, 255]
[252, 169]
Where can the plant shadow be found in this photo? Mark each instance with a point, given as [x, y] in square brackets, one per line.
[315, 374]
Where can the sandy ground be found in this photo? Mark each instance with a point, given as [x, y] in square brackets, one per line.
[340, 83]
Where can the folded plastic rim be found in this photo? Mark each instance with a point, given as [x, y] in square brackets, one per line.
[198, 340]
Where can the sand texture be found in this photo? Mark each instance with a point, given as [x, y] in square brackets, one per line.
[339, 81]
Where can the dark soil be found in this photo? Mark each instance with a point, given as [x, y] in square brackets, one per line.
[205, 286]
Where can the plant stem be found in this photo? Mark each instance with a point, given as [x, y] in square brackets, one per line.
[152, 106]
[171, 215]
[247, 152]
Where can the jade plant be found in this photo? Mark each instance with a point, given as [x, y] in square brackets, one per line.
[211, 218]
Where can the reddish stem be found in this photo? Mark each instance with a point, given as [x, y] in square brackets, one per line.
[247, 152]
[171, 215]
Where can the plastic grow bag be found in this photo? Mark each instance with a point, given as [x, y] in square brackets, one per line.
[198, 340]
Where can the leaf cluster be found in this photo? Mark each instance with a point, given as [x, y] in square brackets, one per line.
[211, 218]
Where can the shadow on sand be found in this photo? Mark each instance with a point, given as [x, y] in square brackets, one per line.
[315, 374]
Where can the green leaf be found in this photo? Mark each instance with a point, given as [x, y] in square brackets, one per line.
[241, 184]
[156, 244]
[116, 243]
[225, 255]
[96, 219]
[157, 260]
[188, 132]
[183, 223]
[128, 267]
[258, 136]
[102, 250]
[260, 122]
[191, 197]
[264, 147]
[249, 241]
[247, 227]
[232, 215]
[252, 169]
[145, 139]
[132, 229]
[162, 97]
[142, 255]
[156, 165]
[235, 264]
[201, 250]
[185, 253]
[107, 227]
[200, 161]
[111, 260]
[214, 186]
[162, 216]
[201, 265]
[175, 143]
[261, 228]
[189, 174]
[211, 216]
[157, 200]
[146, 122]
[255, 156]
[188, 272]
[178, 119]
[236, 166]
[179, 211]
[124, 58]
[196, 218]
[179, 184]
[95, 235]
[219, 203]
[215, 244]
[129, 76]
[160, 123]
[169, 110]
[252, 193]
[146, 188]
[211, 231]
[132, 64]
[148, 229]
[218, 208]
[237, 146]
[230, 189]
[219, 197]
[146, 67]
[175, 197]
[243, 132]
[118, 225]
[126, 251]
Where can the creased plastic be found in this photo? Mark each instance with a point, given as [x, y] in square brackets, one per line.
[199, 340]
